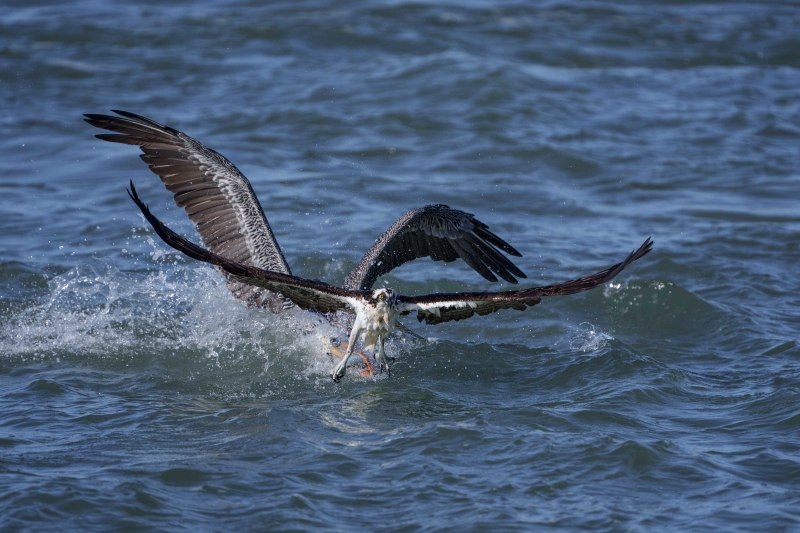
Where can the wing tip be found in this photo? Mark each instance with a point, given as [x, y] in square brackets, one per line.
[643, 250]
[134, 195]
[103, 121]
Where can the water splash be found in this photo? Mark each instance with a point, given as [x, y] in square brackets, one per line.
[588, 338]
[95, 312]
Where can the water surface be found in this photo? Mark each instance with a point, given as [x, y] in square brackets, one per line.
[136, 394]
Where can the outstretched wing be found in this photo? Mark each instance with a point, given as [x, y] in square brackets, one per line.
[437, 308]
[442, 233]
[216, 196]
[305, 293]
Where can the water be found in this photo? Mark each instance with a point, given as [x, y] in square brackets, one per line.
[135, 394]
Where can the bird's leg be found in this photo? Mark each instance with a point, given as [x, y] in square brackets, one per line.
[383, 361]
[338, 372]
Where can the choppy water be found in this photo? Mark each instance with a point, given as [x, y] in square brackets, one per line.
[135, 394]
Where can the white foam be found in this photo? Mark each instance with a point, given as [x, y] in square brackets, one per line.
[587, 338]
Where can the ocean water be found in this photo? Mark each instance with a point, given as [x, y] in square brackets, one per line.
[137, 395]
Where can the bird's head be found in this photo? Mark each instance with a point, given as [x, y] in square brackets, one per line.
[381, 297]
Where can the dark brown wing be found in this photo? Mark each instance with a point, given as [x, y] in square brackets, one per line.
[437, 308]
[306, 294]
[442, 233]
[216, 196]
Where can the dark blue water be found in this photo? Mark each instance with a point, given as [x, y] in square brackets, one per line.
[136, 394]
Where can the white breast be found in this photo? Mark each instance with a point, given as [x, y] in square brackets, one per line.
[376, 321]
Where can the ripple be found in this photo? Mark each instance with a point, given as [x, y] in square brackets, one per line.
[137, 394]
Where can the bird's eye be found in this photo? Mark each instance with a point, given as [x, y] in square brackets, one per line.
[382, 297]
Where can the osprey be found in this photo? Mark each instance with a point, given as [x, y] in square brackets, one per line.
[220, 201]
[376, 311]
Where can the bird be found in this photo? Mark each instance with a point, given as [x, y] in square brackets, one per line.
[376, 311]
[231, 223]
[223, 206]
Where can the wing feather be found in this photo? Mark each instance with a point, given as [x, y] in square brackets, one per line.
[470, 259]
[437, 308]
[441, 233]
[206, 204]
[494, 259]
[305, 293]
[191, 171]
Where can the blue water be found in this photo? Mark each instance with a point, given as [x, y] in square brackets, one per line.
[136, 394]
